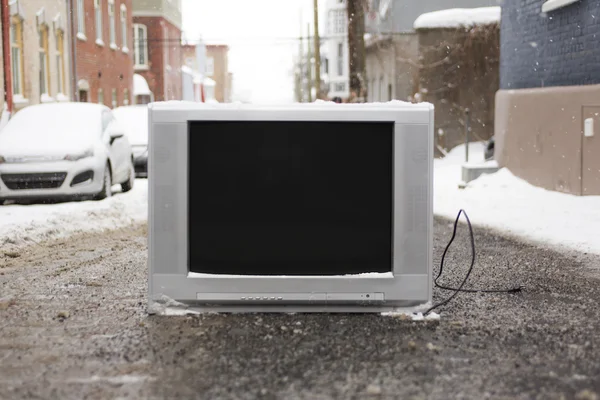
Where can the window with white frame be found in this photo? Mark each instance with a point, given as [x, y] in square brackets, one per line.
[100, 96]
[98, 19]
[16, 52]
[80, 20]
[124, 43]
[60, 60]
[126, 97]
[337, 21]
[167, 47]
[112, 30]
[44, 71]
[140, 49]
[114, 98]
[340, 59]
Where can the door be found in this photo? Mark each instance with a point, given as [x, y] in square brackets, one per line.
[590, 151]
[83, 96]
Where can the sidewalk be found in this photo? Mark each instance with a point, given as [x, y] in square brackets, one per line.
[504, 202]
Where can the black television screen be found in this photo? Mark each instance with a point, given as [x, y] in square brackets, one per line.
[290, 197]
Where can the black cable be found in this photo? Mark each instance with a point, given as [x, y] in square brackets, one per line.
[460, 288]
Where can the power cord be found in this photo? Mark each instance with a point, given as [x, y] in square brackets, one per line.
[460, 288]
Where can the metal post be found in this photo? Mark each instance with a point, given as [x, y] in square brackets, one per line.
[6, 56]
[309, 65]
[467, 130]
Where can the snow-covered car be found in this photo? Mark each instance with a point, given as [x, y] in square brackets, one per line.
[135, 121]
[64, 150]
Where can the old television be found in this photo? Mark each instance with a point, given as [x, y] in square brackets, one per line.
[306, 207]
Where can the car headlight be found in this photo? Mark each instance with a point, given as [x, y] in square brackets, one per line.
[79, 156]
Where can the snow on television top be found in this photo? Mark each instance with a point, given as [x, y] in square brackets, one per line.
[458, 17]
[319, 104]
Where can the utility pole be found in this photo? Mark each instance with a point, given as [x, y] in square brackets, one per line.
[309, 66]
[317, 50]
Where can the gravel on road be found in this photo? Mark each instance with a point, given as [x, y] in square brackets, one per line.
[73, 325]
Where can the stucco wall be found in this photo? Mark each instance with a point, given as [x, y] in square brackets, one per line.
[539, 137]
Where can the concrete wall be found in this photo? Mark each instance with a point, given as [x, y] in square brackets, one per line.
[539, 137]
[51, 10]
[103, 67]
[402, 13]
[559, 48]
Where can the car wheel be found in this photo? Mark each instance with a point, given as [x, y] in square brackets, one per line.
[107, 184]
[2, 202]
[128, 184]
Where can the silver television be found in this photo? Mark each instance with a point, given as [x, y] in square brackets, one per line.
[316, 207]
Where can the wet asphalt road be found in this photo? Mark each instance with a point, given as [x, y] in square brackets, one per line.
[73, 325]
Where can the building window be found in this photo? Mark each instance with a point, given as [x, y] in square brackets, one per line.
[98, 18]
[16, 51]
[112, 30]
[381, 88]
[167, 48]
[326, 66]
[140, 50]
[100, 96]
[390, 92]
[126, 97]
[60, 60]
[124, 28]
[80, 20]
[340, 59]
[210, 66]
[44, 60]
[339, 87]
[114, 98]
[337, 21]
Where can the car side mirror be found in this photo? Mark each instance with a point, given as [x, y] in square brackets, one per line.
[114, 135]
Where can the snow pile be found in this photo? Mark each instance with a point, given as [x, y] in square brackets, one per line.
[510, 204]
[458, 17]
[24, 224]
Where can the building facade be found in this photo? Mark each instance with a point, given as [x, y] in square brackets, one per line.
[103, 51]
[217, 69]
[547, 123]
[158, 54]
[39, 52]
[392, 44]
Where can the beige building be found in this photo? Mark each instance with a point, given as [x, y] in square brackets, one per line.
[217, 68]
[40, 48]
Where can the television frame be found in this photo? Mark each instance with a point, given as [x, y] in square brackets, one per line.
[409, 283]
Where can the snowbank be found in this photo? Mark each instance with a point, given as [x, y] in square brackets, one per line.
[26, 224]
[458, 17]
[507, 203]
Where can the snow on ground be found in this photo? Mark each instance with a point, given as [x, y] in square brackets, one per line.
[24, 224]
[510, 204]
[458, 17]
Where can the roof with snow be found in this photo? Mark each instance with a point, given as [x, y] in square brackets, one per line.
[458, 17]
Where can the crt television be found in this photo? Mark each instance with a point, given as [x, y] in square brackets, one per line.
[307, 207]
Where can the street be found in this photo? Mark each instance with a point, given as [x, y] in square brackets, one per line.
[73, 325]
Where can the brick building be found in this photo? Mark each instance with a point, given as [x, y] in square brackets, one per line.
[103, 51]
[157, 50]
[217, 68]
[547, 122]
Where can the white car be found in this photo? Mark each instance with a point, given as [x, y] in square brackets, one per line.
[64, 150]
[135, 121]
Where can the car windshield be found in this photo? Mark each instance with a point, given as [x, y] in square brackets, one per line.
[135, 121]
[66, 123]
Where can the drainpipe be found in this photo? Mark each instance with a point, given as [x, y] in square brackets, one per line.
[73, 58]
[8, 89]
